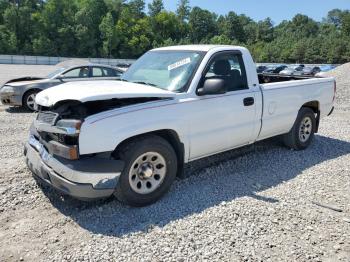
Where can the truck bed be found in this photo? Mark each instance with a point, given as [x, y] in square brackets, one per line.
[273, 78]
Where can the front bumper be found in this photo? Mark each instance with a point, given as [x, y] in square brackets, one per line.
[10, 99]
[85, 179]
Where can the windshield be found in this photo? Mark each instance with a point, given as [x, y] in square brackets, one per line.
[168, 70]
[56, 72]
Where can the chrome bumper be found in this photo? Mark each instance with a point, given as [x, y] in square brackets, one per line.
[85, 179]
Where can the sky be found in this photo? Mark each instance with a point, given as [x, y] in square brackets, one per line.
[277, 10]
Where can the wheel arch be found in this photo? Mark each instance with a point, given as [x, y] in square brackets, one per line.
[314, 106]
[169, 135]
[28, 91]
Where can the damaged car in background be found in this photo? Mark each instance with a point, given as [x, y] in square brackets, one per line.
[22, 91]
[131, 138]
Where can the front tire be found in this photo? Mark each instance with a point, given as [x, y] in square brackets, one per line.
[150, 169]
[302, 133]
[29, 100]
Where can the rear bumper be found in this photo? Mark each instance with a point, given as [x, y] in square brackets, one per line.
[87, 179]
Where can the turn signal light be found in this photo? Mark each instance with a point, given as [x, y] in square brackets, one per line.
[67, 152]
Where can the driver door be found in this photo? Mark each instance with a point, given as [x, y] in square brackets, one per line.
[224, 121]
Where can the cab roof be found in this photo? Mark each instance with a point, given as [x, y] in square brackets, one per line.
[203, 48]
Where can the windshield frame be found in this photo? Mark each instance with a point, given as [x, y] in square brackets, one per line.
[186, 86]
[55, 73]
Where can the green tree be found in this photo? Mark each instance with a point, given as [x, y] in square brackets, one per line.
[4, 4]
[136, 8]
[17, 19]
[166, 25]
[134, 36]
[114, 7]
[345, 24]
[107, 34]
[202, 25]
[335, 17]
[7, 41]
[155, 7]
[183, 10]
[87, 20]
[120, 28]
[232, 27]
[220, 40]
[54, 34]
[265, 30]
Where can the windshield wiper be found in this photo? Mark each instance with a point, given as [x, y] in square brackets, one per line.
[140, 82]
[145, 83]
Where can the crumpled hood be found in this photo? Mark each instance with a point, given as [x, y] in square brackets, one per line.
[85, 91]
[25, 81]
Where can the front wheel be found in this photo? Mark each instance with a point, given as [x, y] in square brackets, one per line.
[29, 99]
[302, 133]
[150, 169]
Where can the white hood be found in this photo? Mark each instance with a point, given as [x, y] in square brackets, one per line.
[85, 91]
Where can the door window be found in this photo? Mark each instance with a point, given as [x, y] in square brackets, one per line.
[109, 72]
[104, 72]
[230, 68]
[97, 72]
[80, 72]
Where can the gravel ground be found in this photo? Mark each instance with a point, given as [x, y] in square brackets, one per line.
[261, 203]
[342, 75]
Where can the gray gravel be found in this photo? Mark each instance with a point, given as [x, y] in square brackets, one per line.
[262, 203]
[342, 75]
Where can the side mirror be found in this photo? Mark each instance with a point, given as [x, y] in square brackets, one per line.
[212, 86]
[60, 77]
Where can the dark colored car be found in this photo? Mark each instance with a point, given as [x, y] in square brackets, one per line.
[22, 91]
[275, 69]
[260, 69]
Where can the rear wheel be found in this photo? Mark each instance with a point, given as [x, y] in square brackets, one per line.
[150, 169]
[29, 99]
[302, 133]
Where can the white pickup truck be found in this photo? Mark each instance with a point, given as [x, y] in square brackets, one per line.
[174, 105]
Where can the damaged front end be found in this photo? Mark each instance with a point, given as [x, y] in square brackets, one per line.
[59, 127]
[52, 152]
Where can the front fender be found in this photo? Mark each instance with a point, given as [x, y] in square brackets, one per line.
[105, 134]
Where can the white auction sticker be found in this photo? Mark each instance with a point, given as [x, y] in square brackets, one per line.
[179, 63]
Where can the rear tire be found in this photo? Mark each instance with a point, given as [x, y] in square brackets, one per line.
[150, 169]
[29, 100]
[303, 130]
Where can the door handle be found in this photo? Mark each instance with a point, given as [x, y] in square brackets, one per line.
[248, 101]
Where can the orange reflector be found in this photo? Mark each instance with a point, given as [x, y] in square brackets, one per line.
[73, 153]
[67, 152]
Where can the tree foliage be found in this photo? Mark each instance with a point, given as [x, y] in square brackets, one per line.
[155, 7]
[121, 28]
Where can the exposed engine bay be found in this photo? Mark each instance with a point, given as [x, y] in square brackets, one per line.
[70, 111]
[79, 110]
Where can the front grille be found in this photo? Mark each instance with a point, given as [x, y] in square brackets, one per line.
[63, 139]
[47, 117]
